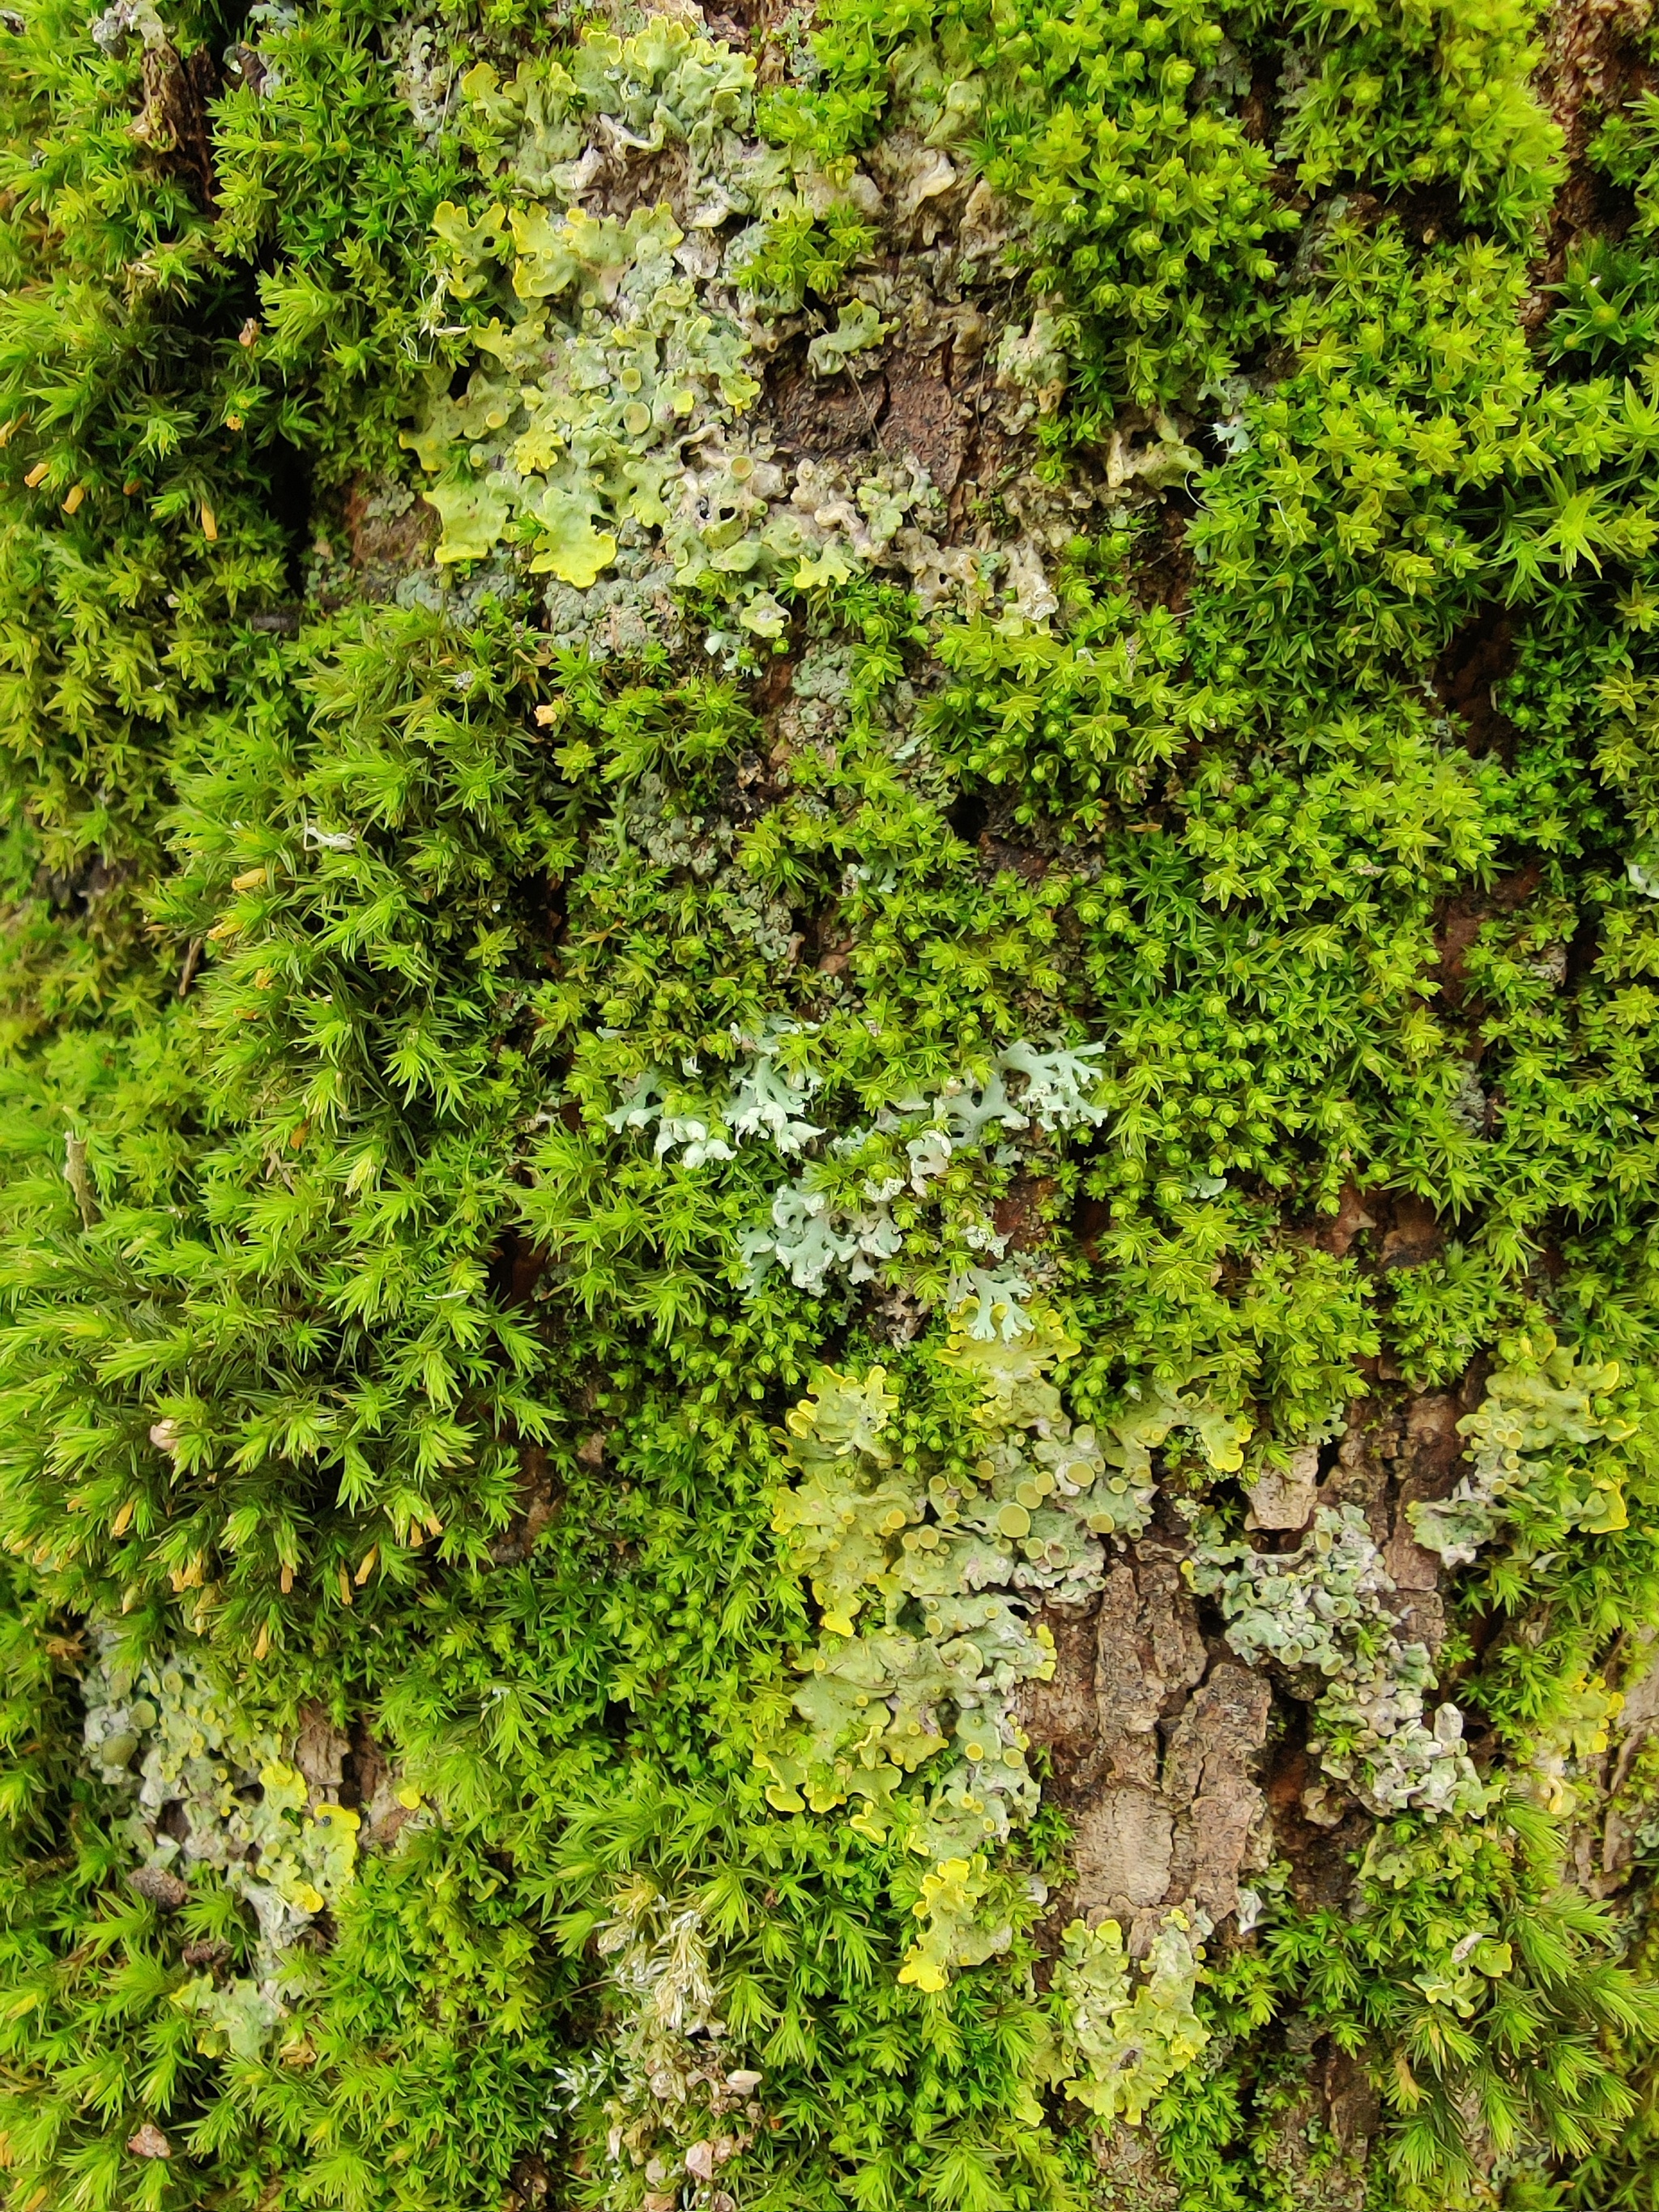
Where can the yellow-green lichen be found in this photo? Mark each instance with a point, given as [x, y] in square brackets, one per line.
[1528, 1446]
[925, 1581]
[169, 1731]
[617, 353]
[614, 306]
[1120, 2040]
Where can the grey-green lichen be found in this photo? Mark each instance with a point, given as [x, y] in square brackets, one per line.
[768, 1096]
[1322, 1609]
[1526, 1447]
[1121, 2039]
[646, 825]
[193, 1758]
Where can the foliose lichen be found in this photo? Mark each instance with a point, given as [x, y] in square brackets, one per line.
[606, 422]
[1121, 2038]
[1323, 1607]
[925, 1586]
[836, 1216]
[169, 1735]
[1525, 1440]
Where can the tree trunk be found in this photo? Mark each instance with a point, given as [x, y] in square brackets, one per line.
[828, 1104]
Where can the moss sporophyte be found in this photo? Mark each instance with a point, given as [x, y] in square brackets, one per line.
[828, 1102]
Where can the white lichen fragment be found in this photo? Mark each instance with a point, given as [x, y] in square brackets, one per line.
[679, 2100]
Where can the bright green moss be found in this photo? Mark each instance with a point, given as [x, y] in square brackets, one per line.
[1403, 97]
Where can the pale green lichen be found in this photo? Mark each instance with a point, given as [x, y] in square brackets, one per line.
[813, 1229]
[940, 94]
[1322, 1607]
[1525, 1441]
[925, 1584]
[1033, 362]
[1564, 1758]
[812, 1232]
[605, 440]
[595, 375]
[926, 1637]
[169, 1730]
[858, 327]
[1305, 1608]
[952, 1908]
[553, 127]
[619, 352]
[1152, 1413]
[1119, 2041]
[1373, 1732]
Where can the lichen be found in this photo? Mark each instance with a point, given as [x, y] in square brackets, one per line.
[1525, 1438]
[909, 1712]
[812, 1231]
[1121, 2039]
[621, 350]
[1322, 1607]
[925, 1584]
[678, 2101]
[169, 1733]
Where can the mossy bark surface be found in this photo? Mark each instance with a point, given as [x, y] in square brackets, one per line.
[829, 1107]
